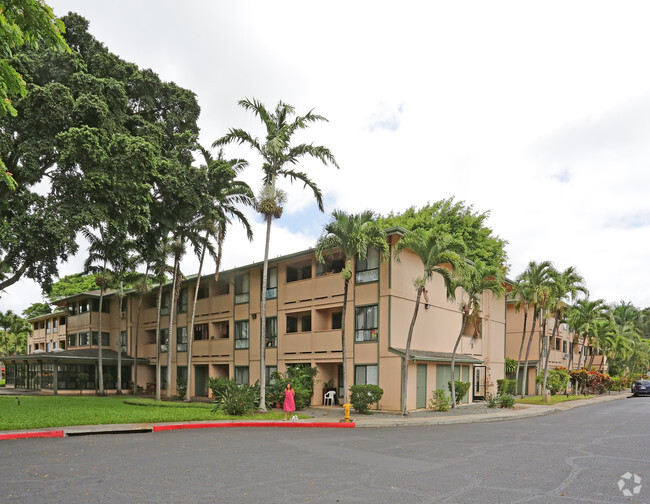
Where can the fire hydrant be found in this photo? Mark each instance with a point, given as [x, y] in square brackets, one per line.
[346, 406]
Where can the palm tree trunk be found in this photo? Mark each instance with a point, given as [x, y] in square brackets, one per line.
[170, 338]
[100, 361]
[158, 377]
[548, 352]
[265, 272]
[137, 334]
[346, 285]
[407, 352]
[119, 343]
[190, 336]
[524, 384]
[453, 360]
[582, 349]
[521, 347]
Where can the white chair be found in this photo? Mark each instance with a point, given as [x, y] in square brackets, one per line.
[329, 398]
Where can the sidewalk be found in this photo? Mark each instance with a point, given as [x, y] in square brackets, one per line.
[330, 417]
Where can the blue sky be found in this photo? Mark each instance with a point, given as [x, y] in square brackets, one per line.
[535, 111]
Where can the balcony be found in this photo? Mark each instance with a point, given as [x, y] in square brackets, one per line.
[310, 342]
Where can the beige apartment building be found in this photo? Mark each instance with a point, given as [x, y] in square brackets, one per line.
[564, 348]
[304, 321]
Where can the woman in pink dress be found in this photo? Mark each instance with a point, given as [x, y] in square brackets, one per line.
[289, 404]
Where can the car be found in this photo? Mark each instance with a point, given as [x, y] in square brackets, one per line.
[641, 387]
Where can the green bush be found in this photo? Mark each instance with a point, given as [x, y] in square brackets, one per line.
[2, 383]
[237, 399]
[506, 387]
[461, 389]
[302, 379]
[219, 386]
[493, 401]
[506, 401]
[556, 381]
[511, 367]
[362, 396]
[440, 401]
[181, 387]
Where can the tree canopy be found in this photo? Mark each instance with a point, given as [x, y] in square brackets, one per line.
[460, 221]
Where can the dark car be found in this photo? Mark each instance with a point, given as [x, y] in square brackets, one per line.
[641, 387]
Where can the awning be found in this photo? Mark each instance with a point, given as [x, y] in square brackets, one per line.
[77, 356]
[423, 355]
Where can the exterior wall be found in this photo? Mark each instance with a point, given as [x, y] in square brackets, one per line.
[48, 332]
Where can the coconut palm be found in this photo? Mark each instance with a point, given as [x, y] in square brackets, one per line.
[352, 235]
[473, 280]
[582, 316]
[522, 299]
[278, 157]
[536, 280]
[439, 253]
[565, 286]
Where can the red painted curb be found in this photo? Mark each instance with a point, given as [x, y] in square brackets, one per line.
[330, 425]
[27, 435]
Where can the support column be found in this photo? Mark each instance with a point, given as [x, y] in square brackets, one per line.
[55, 385]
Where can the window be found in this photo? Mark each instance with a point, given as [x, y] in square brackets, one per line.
[48, 327]
[366, 324]
[564, 346]
[55, 345]
[270, 371]
[182, 302]
[181, 373]
[164, 340]
[241, 334]
[181, 339]
[163, 377]
[298, 272]
[337, 320]
[72, 309]
[201, 332]
[299, 322]
[55, 325]
[271, 332]
[557, 343]
[35, 325]
[368, 268]
[47, 347]
[305, 322]
[124, 339]
[242, 289]
[241, 375]
[62, 321]
[366, 375]
[570, 346]
[331, 265]
[71, 340]
[105, 338]
[223, 329]
[204, 292]
[272, 284]
[223, 287]
[84, 339]
[164, 303]
[292, 324]
[106, 305]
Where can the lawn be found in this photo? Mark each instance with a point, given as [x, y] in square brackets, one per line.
[554, 399]
[59, 411]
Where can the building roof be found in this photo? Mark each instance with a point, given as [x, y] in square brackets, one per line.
[77, 356]
[423, 355]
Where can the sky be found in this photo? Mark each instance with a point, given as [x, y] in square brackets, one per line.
[538, 112]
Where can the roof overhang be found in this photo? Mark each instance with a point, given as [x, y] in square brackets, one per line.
[423, 355]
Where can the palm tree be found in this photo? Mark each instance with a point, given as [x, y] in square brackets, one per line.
[20, 329]
[440, 253]
[224, 193]
[474, 280]
[278, 157]
[352, 235]
[522, 298]
[7, 320]
[536, 279]
[582, 317]
[565, 286]
[142, 287]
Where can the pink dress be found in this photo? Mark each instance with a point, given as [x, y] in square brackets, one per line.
[289, 404]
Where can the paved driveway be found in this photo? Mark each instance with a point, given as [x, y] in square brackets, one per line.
[569, 457]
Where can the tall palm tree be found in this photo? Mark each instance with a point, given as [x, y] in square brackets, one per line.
[352, 235]
[439, 253]
[565, 286]
[522, 298]
[474, 280]
[223, 194]
[21, 329]
[278, 158]
[536, 279]
[582, 316]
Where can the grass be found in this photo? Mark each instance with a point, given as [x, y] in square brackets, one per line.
[36, 412]
[554, 399]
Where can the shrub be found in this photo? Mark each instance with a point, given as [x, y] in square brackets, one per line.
[511, 367]
[506, 387]
[237, 399]
[506, 401]
[2, 383]
[461, 389]
[362, 396]
[302, 379]
[493, 401]
[219, 386]
[556, 381]
[181, 387]
[440, 401]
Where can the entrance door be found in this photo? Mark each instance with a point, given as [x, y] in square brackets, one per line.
[421, 395]
[201, 381]
[480, 382]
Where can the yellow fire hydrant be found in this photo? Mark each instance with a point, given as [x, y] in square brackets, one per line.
[347, 412]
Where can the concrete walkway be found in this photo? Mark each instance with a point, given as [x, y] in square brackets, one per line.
[328, 417]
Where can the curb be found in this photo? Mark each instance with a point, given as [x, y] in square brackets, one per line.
[326, 425]
[29, 435]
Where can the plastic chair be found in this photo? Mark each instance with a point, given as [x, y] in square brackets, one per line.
[329, 398]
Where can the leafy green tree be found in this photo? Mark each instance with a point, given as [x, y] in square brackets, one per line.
[36, 310]
[435, 251]
[7, 321]
[352, 235]
[23, 23]
[71, 285]
[473, 280]
[278, 158]
[460, 221]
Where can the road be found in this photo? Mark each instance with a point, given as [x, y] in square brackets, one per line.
[570, 457]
